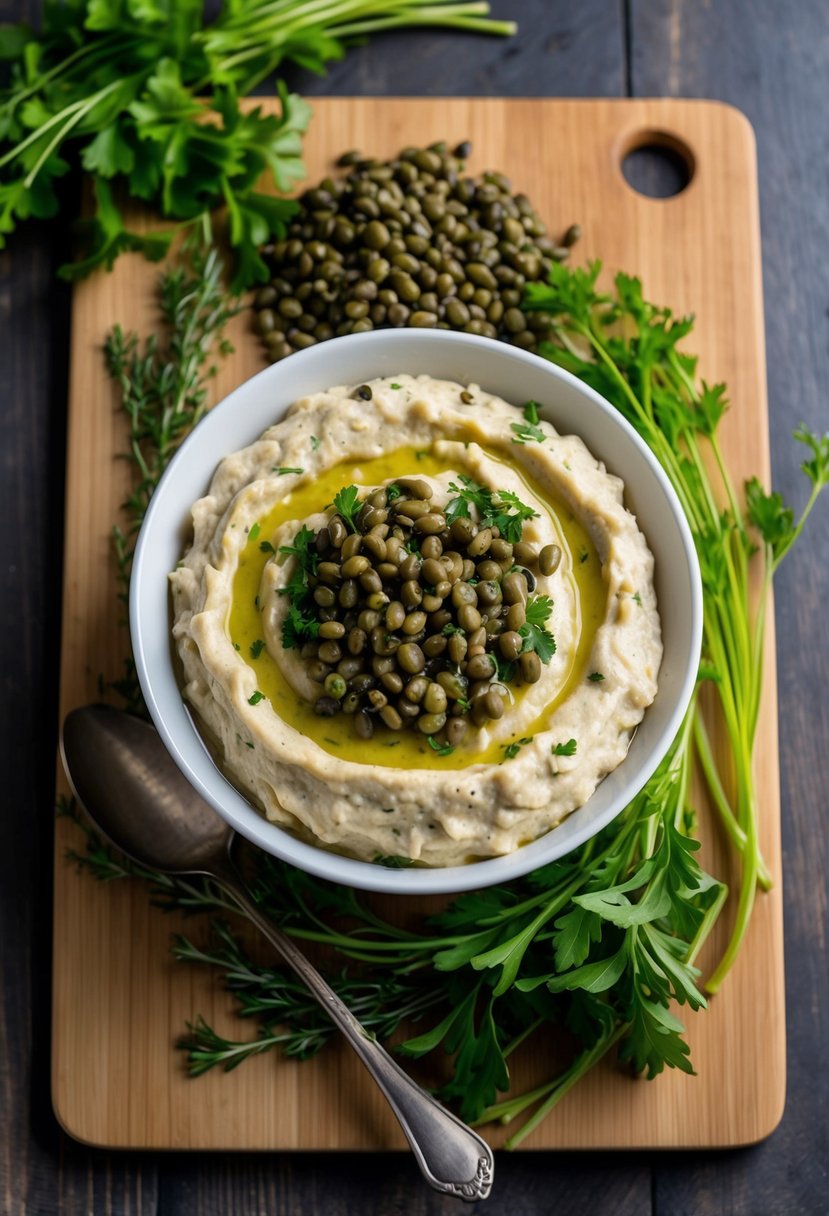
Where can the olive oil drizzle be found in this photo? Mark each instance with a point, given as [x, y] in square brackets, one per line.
[406, 749]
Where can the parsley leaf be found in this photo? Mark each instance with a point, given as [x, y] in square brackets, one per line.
[347, 504]
[565, 749]
[595, 677]
[511, 750]
[315, 443]
[256, 648]
[282, 470]
[530, 412]
[525, 433]
[536, 636]
[256, 698]
[501, 509]
[300, 624]
[253, 531]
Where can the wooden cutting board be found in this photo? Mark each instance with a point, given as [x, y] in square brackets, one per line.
[120, 1001]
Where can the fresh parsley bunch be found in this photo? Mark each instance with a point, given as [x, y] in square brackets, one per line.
[628, 349]
[143, 95]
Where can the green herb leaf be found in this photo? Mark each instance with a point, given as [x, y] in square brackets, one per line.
[282, 470]
[525, 433]
[530, 412]
[256, 648]
[595, 677]
[347, 504]
[500, 509]
[565, 749]
[536, 637]
[442, 749]
[256, 698]
[511, 750]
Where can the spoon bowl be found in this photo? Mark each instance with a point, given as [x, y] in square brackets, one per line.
[137, 795]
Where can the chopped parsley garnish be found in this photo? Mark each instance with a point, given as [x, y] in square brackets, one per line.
[565, 749]
[315, 442]
[536, 636]
[530, 412]
[422, 454]
[256, 648]
[449, 628]
[525, 433]
[511, 750]
[253, 532]
[395, 386]
[301, 624]
[583, 554]
[637, 599]
[595, 677]
[282, 469]
[256, 698]
[442, 749]
[347, 504]
[266, 546]
[501, 509]
[236, 646]
[393, 492]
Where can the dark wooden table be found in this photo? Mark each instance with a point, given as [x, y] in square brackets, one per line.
[770, 59]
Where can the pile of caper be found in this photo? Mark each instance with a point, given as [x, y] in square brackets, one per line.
[407, 242]
[419, 618]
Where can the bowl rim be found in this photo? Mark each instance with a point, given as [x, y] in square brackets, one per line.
[269, 836]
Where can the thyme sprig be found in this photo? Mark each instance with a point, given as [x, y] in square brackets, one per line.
[163, 389]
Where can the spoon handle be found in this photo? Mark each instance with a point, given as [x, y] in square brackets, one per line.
[452, 1158]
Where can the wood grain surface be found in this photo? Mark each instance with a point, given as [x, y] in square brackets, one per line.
[769, 59]
[119, 1000]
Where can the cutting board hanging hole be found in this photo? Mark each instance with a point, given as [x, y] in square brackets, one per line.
[657, 164]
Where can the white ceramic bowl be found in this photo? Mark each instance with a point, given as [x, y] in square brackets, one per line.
[516, 376]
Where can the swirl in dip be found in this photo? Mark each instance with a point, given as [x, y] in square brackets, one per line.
[382, 772]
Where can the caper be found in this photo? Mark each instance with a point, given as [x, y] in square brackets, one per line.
[456, 729]
[549, 559]
[530, 665]
[430, 724]
[332, 630]
[391, 717]
[330, 652]
[434, 646]
[510, 643]
[516, 616]
[456, 647]
[410, 567]
[524, 554]
[416, 688]
[335, 686]
[411, 658]
[363, 725]
[355, 566]
[324, 596]
[329, 572]
[469, 618]
[392, 681]
[434, 700]
[488, 569]
[514, 588]
[480, 667]
[326, 706]
[480, 543]
[494, 705]
[455, 685]
[414, 623]
[432, 546]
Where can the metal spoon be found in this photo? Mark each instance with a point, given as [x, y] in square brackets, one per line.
[131, 788]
